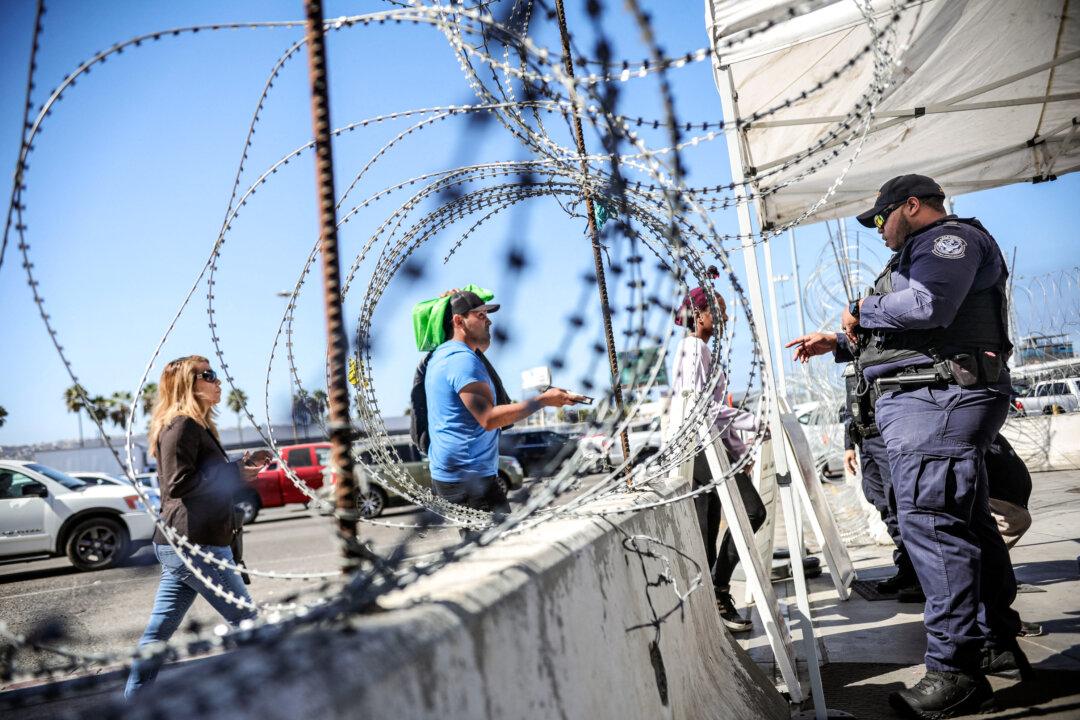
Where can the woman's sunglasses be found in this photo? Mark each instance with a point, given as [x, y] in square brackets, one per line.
[207, 375]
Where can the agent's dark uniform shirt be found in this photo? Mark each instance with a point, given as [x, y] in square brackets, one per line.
[938, 267]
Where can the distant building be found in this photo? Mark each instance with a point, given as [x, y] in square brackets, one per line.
[1041, 348]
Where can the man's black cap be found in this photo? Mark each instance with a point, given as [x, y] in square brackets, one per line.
[465, 302]
[898, 190]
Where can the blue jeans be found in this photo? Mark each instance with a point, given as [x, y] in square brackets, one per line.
[176, 591]
[936, 437]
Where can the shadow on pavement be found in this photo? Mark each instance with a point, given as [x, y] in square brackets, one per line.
[862, 689]
[851, 687]
[142, 557]
[1048, 572]
[39, 574]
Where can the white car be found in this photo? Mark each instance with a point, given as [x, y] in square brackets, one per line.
[825, 435]
[102, 478]
[1051, 397]
[45, 512]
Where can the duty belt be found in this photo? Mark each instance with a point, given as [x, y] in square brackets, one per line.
[910, 380]
[963, 369]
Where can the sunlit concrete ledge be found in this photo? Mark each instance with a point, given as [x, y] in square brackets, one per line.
[564, 620]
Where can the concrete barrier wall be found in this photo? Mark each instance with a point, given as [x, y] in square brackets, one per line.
[566, 620]
[1046, 442]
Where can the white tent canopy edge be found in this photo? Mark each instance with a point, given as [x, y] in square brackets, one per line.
[986, 93]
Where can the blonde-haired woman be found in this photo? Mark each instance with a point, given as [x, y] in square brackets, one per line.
[197, 487]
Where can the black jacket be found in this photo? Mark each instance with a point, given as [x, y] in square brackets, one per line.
[197, 484]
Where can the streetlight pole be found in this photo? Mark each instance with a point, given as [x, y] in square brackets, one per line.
[286, 294]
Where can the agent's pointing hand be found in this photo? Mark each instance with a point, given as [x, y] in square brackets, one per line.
[811, 344]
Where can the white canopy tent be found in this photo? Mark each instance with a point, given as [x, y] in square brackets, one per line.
[986, 93]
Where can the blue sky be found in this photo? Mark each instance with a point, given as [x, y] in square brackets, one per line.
[130, 178]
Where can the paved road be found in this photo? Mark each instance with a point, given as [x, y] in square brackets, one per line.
[106, 611]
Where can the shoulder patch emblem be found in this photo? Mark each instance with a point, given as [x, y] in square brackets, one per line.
[950, 247]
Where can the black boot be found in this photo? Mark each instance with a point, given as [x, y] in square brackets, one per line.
[944, 695]
[911, 594]
[1006, 661]
[893, 584]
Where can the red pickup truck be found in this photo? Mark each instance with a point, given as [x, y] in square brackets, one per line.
[274, 488]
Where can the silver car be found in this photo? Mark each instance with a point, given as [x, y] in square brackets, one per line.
[372, 503]
[101, 478]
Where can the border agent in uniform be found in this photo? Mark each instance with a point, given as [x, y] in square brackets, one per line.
[933, 341]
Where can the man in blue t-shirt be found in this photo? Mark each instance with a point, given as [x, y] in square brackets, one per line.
[463, 419]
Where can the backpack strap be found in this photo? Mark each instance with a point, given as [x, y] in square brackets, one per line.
[418, 426]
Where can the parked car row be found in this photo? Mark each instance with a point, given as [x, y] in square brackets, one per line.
[97, 519]
[538, 451]
[378, 496]
[600, 449]
[530, 452]
[309, 463]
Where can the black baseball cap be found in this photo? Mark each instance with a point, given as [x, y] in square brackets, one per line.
[898, 190]
[466, 301]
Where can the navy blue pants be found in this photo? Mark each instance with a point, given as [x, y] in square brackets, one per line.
[936, 437]
[878, 489]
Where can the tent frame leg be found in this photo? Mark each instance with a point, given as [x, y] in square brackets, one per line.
[758, 583]
[784, 470]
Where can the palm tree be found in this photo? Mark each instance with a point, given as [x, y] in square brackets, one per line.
[98, 408]
[301, 411]
[149, 397]
[118, 407]
[319, 403]
[236, 401]
[75, 398]
[3, 416]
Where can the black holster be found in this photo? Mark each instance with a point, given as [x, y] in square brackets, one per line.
[968, 370]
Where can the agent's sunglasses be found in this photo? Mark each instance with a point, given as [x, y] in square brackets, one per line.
[880, 218]
[207, 375]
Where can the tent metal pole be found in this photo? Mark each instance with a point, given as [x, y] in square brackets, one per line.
[798, 282]
[726, 87]
[774, 318]
[1018, 360]
[935, 109]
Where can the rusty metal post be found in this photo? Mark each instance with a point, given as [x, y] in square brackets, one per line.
[594, 233]
[337, 343]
